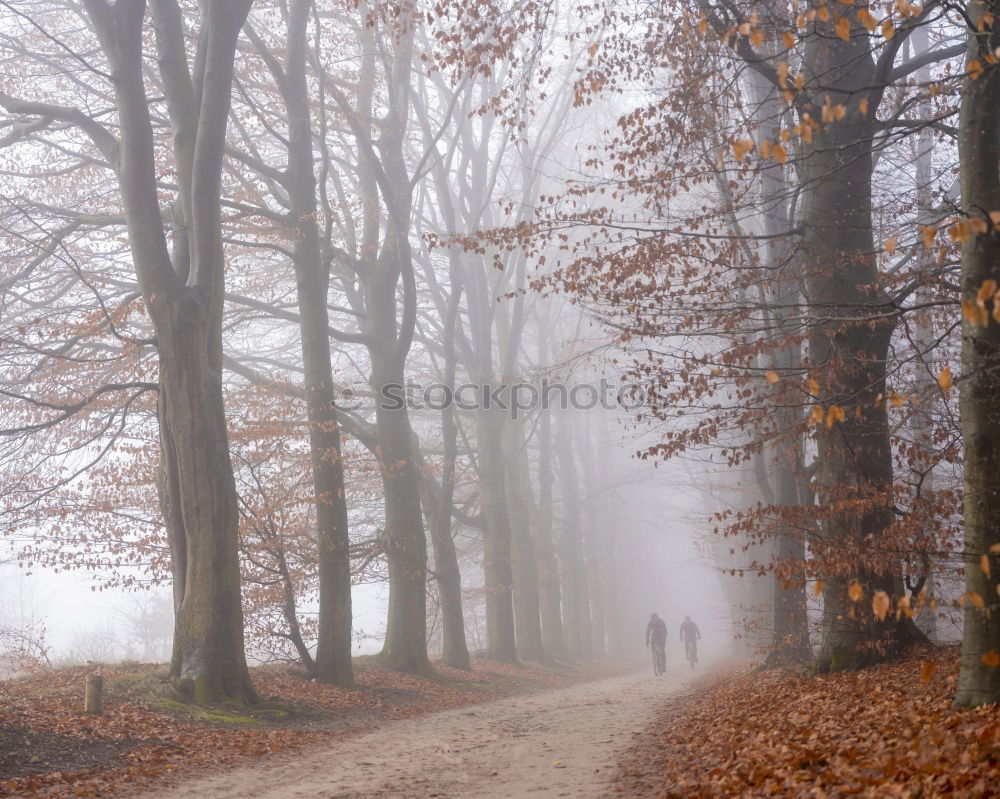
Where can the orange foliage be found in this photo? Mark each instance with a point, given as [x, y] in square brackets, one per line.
[885, 731]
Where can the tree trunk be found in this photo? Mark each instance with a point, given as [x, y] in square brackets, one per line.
[185, 302]
[333, 649]
[553, 636]
[782, 300]
[979, 153]
[454, 649]
[524, 569]
[389, 327]
[405, 647]
[848, 348]
[924, 334]
[594, 531]
[499, 579]
[576, 609]
[198, 495]
[612, 608]
[789, 624]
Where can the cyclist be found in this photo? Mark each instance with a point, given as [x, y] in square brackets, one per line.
[656, 633]
[690, 635]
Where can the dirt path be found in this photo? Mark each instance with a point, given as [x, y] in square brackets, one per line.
[558, 743]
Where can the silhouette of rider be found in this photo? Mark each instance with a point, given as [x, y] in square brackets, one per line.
[690, 633]
[656, 631]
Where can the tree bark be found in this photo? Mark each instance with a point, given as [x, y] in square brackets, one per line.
[499, 580]
[848, 340]
[382, 268]
[454, 649]
[593, 532]
[333, 648]
[576, 608]
[979, 154]
[527, 619]
[553, 636]
[185, 300]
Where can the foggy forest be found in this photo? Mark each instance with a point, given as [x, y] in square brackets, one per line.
[499, 398]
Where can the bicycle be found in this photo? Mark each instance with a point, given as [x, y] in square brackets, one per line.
[691, 651]
[659, 659]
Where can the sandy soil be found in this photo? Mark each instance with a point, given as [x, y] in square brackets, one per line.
[556, 743]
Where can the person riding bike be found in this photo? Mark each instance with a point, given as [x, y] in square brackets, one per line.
[656, 634]
[690, 635]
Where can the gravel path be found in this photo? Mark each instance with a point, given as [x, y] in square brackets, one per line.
[556, 743]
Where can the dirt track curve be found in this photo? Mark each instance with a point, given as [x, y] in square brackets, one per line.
[556, 743]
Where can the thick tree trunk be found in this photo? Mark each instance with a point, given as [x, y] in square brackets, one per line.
[454, 649]
[184, 300]
[524, 569]
[849, 341]
[979, 153]
[405, 647]
[333, 649]
[198, 496]
[499, 579]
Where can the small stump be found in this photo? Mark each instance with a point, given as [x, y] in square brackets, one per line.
[94, 698]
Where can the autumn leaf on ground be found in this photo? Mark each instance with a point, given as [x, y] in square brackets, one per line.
[853, 733]
[855, 592]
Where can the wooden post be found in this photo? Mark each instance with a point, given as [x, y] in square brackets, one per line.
[94, 699]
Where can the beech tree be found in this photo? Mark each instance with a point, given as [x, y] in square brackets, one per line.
[182, 288]
[979, 143]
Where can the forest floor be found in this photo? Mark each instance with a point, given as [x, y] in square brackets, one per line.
[886, 731]
[553, 743]
[50, 748]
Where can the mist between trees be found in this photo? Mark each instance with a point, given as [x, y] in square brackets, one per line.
[763, 237]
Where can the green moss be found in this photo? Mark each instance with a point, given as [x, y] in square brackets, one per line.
[203, 692]
[224, 715]
[842, 658]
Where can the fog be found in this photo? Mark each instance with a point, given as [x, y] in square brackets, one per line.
[374, 359]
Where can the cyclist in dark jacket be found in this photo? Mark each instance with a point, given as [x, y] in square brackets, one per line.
[656, 631]
[690, 635]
